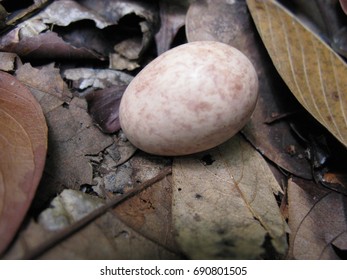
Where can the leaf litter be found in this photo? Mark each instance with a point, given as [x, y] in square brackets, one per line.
[221, 204]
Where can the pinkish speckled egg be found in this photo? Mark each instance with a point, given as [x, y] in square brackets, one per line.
[189, 99]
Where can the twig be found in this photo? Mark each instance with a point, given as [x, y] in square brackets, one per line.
[67, 232]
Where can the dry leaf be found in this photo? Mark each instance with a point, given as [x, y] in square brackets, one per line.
[172, 18]
[46, 85]
[149, 213]
[23, 145]
[224, 206]
[140, 228]
[318, 222]
[34, 38]
[230, 22]
[47, 45]
[139, 31]
[312, 70]
[106, 238]
[72, 135]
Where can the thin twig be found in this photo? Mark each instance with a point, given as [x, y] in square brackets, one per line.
[67, 232]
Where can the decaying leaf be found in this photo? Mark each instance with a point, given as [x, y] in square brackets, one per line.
[23, 146]
[224, 206]
[106, 238]
[312, 70]
[139, 228]
[72, 135]
[46, 85]
[318, 222]
[149, 213]
[230, 22]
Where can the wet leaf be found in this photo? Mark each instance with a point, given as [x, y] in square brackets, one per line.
[23, 145]
[230, 22]
[224, 204]
[317, 219]
[312, 70]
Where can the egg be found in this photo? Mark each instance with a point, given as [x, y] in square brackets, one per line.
[189, 99]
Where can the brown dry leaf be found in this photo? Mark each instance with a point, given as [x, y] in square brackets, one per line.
[139, 33]
[149, 214]
[224, 205]
[172, 18]
[139, 228]
[230, 23]
[105, 238]
[312, 70]
[23, 146]
[318, 222]
[72, 135]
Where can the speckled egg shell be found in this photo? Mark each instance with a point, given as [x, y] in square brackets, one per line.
[189, 99]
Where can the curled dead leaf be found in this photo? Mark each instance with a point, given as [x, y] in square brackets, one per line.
[103, 105]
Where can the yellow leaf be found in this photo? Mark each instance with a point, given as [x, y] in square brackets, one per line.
[315, 74]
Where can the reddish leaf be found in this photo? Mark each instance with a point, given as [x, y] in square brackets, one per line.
[23, 145]
[103, 105]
